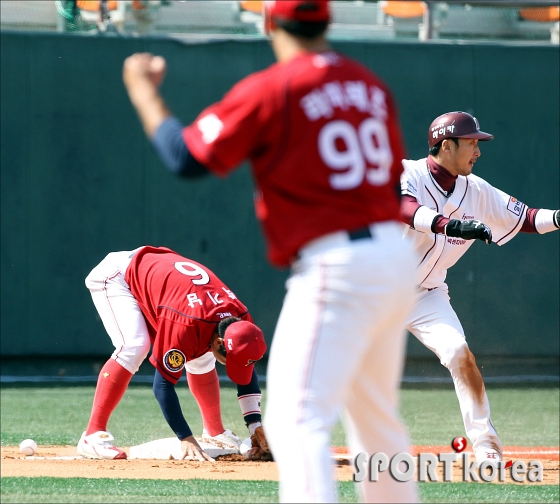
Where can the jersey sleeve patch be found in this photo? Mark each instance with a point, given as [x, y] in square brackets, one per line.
[174, 360]
[515, 206]
[210, 127]
[408, 188]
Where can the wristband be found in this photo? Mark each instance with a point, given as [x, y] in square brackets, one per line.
[423, 219]
[250, 404]
[546, 221]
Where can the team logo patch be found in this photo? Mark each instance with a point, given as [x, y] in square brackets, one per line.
[408, 188]
[174, 360]
[514, 206]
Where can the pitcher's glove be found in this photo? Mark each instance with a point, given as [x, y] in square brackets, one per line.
[469, 230]
[259, 446]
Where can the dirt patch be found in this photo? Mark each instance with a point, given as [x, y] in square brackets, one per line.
[232, 467]
[51, 461]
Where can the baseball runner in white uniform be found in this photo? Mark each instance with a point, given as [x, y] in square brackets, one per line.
[447, 207]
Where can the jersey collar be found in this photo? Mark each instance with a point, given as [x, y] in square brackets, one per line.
[444, 181]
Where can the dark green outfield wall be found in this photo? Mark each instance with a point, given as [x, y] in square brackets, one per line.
[79, 180]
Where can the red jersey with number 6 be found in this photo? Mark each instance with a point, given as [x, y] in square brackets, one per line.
[182, 302]
[322, 134]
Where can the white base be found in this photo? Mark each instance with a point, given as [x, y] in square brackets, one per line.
[170, 448]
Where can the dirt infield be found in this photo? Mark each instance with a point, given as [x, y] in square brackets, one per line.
[63, 462]
[232, 467]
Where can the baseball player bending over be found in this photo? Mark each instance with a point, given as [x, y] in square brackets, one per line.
[154, 297]
[447, 208]
[322, 134]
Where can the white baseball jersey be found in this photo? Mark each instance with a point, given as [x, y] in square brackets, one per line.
[472, 198]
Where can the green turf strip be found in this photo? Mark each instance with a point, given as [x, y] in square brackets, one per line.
[488, 492]
[129, 490]
[47, 490]
[60, 414]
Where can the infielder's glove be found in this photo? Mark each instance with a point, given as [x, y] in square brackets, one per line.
[469, 230]
[259, 446]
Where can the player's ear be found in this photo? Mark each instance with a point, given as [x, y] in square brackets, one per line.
[219, 350]
[216, 341]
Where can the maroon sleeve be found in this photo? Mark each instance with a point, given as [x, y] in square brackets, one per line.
[409, 205]
[529, 222]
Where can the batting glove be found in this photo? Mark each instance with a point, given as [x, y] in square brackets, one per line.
[469, 230]
[259, 446]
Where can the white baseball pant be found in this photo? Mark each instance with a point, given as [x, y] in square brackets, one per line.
[122, 317]
[339, 348]
[434, 322]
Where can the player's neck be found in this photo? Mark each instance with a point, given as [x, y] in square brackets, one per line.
[287, 47]
[442, 175]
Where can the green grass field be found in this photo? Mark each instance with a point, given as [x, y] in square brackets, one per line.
[58, 415]
[522, 416]
[50, 490]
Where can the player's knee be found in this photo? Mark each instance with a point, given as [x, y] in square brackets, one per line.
[457, 354]
[468, 358]
[144, 348]
[90, 280]
[97, 275]
[132, 356]
[95, 280]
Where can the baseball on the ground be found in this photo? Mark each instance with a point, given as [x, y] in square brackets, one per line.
[245, 446]
[28, 447]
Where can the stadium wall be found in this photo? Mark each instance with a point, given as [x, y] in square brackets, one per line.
[79, 180]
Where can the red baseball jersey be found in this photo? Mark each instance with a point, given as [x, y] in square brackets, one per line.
[182, 302]
[322, 135]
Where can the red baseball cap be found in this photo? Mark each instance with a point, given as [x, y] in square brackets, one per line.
[455, 125]
[244, 343]
[312, 11]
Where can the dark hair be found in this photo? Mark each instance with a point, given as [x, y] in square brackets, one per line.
[224, 324]
[435, 149]
[221, 329]
[305, 29]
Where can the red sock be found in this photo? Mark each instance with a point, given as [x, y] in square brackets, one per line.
[111, 385]
[206, 390]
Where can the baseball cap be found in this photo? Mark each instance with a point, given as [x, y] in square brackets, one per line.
[312, 11]
[244, 343]
[455, 125]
